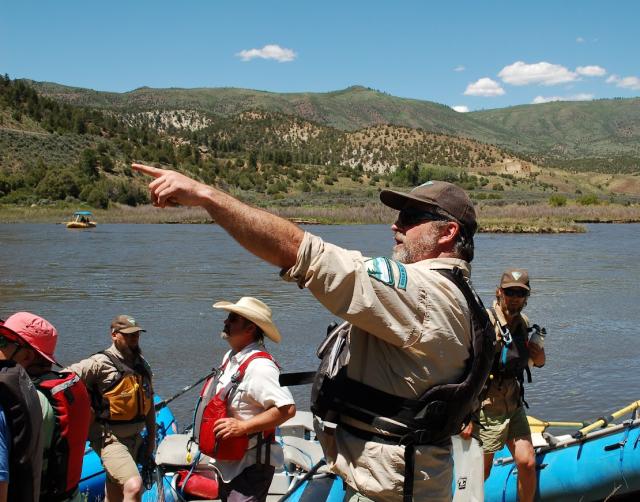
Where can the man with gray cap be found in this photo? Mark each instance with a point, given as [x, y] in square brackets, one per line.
[246, 389]
[410, 326]
[503, 419]
[119, 382]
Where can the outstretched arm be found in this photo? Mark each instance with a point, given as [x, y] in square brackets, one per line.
[267, 236]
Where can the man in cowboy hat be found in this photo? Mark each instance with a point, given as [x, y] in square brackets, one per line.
[256, 403]
[410, 326]
[63, 447]
[503, 419]
[119, 380]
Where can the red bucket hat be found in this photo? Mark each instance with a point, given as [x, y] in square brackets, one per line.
[36, 332]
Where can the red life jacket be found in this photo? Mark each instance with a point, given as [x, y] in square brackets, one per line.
[231, 448]
[71, 405]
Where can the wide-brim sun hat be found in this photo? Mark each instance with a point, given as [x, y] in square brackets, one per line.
[34, 331]
[255, 311]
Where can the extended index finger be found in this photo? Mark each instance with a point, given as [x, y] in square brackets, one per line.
[151, 171]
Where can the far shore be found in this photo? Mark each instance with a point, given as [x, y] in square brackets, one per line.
[509, 218]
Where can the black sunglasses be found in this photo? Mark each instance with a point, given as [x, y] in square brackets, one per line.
[515, 292]
[5, 342]
[233, 317]
[410, 217]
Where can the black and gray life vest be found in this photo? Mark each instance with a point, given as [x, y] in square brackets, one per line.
[429, 420]
[512, 361]
[22, 410]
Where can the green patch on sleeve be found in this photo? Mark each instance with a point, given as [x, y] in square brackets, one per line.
[381, 269]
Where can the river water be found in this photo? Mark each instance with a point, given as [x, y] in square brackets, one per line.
[585, 292]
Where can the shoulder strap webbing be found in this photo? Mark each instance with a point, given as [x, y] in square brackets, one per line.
[239, 374]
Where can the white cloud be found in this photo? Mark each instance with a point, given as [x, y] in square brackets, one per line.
[459, 68]
[580, 40]
[461, 108]
[280, 54]
[591, 71]
[484, 87]
[543, 73]
[575, 97]
[625, 82]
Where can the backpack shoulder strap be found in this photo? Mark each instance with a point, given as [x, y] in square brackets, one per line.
[474, 302]
[239, 375]
[119, 365]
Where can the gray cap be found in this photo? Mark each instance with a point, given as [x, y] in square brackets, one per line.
[448, 197]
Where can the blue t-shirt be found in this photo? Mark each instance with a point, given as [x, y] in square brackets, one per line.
[5, 446]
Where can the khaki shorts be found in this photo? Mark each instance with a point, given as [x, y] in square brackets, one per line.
[496, 430]
[118, 456]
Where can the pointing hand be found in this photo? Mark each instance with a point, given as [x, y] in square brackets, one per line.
[170, 188]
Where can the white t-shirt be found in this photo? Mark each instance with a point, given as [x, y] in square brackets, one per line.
[258, 391]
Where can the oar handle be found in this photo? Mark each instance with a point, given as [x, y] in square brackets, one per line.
[604, 421]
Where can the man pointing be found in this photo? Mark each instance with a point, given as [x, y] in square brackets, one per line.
[410, 327]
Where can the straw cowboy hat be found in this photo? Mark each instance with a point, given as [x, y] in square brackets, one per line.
[254, 310]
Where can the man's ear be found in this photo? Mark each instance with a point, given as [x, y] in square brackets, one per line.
[449, 233]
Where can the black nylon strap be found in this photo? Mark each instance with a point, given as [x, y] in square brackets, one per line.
[409, 466]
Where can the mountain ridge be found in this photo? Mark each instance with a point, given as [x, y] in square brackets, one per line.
[549, 132]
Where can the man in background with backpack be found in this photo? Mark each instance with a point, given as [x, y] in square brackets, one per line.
[119, 381]
[503, 419]
[64, 403]
[410, 328]
[243, 404]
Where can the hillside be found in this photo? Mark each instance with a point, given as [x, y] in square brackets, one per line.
[595, 135]
[54, 151]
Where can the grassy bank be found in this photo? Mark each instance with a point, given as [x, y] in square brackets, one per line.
[534, 218]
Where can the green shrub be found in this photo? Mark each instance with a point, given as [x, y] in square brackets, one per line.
[588, 200]
[557, 200]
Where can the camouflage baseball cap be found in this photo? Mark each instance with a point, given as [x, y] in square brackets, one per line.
[125, 324]
[450, 198]
[515, 278]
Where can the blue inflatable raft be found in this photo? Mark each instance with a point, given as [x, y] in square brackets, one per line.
[93, 476]
[602, 463]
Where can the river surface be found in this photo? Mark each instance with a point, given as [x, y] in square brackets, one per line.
[585, 292]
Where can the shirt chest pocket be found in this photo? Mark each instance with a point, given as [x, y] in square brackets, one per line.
[239, 396]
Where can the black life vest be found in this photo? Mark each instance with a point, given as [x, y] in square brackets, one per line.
[432, 418]
[71, 405]
[21, 407]
[512, 361]
[129, 398]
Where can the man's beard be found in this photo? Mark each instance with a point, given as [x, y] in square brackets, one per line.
[414, 251]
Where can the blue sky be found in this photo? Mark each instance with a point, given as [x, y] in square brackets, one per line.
[473, 54]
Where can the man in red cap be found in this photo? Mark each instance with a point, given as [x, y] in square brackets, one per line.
[119, 380]
[408, 319]
[65, 419]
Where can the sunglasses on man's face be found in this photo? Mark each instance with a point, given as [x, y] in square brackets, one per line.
[516, 293]
[6, 342]
[233, 317]
[410, 217]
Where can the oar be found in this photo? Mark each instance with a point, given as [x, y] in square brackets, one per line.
[604, 421]
[538, 425]
[286, 379]
[301, 480]
[300, 378]
[165, 402]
